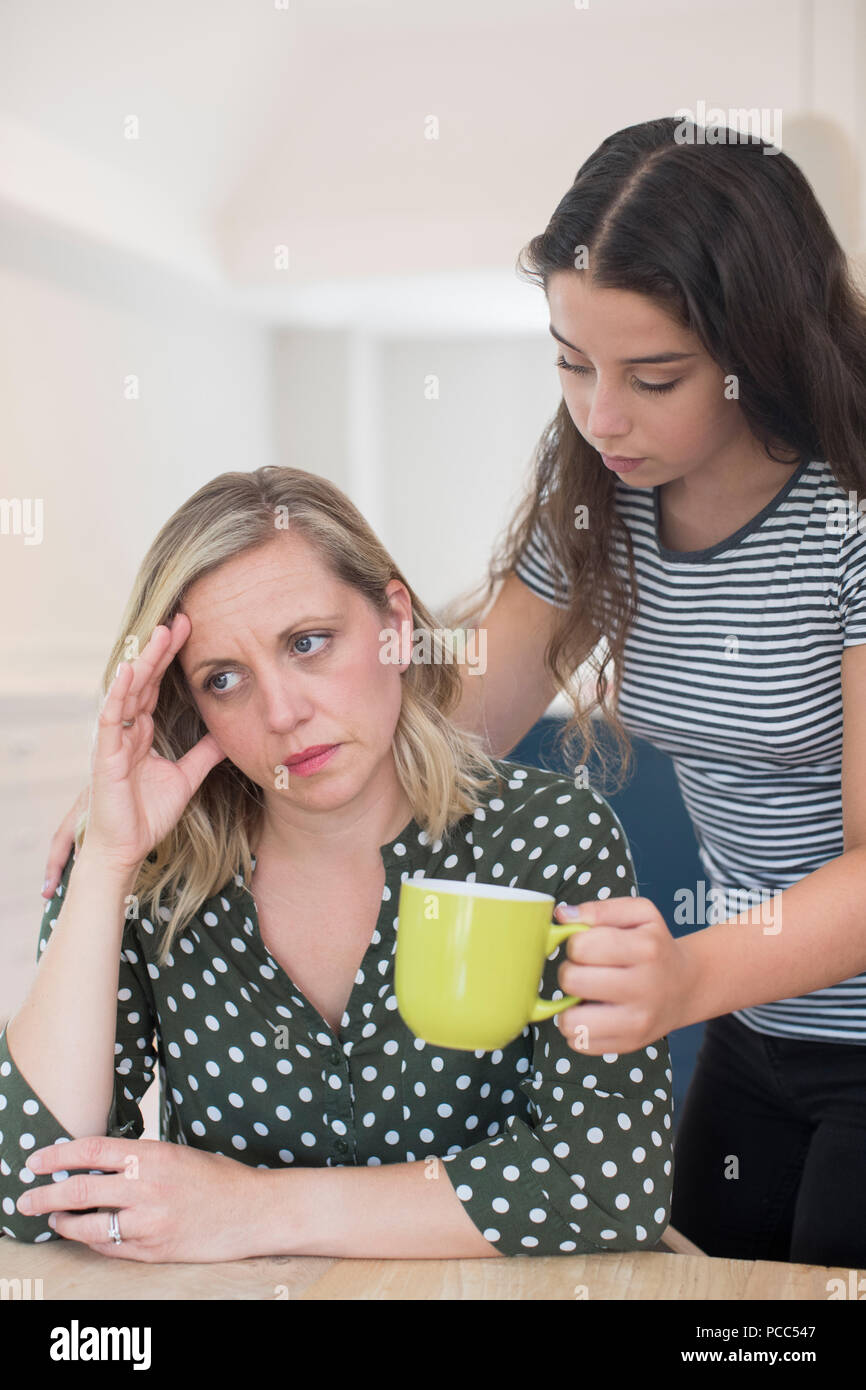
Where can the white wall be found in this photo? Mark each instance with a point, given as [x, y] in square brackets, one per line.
[309, 387]
[76, 321]
[457, 465]
[436, 475]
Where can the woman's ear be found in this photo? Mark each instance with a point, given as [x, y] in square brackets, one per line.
[400, 609]
[400, 601]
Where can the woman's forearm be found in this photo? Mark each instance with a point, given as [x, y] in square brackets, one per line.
[813, 936]
[62, 1037]
[396, 1211]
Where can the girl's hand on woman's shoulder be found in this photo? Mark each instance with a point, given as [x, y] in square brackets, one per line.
[631, 971]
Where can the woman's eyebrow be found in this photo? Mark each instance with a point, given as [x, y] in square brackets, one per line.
[281, 637]
[629, 361]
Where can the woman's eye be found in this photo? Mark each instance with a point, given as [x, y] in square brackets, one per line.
[641, 385]
[311, 637]
[213, 688]
[218, 676]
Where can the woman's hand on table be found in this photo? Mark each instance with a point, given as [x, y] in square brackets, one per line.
[174, 1203]
[630, 969]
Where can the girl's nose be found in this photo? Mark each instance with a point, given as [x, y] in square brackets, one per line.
[606, 418]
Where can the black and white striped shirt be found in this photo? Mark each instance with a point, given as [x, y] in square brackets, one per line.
[733, 668]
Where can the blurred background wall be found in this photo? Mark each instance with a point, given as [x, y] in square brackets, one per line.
[238, 233]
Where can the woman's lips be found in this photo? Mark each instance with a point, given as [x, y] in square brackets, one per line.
[621, 465]
[311, 765]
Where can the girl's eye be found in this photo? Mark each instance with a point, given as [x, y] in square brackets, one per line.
[213, 689]
[572, 366]
[641, 385]
[647, 386]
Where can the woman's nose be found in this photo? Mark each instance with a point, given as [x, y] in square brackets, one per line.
[285, 703]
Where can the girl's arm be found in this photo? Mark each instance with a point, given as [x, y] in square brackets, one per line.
[809, 937]
[819, 937]
[503, 702]
[816, 940]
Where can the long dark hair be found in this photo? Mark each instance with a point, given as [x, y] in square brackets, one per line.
[733, 244]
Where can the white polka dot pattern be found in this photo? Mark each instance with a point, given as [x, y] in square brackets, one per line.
[550, 1151]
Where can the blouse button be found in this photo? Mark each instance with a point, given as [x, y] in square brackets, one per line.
[341, 1146]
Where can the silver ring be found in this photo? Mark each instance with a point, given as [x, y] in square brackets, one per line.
[114, 1229]
[127, 723]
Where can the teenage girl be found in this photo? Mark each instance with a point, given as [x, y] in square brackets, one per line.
[696, 535]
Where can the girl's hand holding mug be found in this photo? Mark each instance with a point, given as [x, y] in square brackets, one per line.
[137, 796]
[629, 968]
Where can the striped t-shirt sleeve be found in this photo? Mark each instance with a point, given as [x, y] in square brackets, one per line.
[852, 583]
[536, 567]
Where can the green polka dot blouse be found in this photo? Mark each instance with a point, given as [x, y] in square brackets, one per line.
[550, 1151]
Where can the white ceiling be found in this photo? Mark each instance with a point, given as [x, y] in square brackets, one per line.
[301, 123]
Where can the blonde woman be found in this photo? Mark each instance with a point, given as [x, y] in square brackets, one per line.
[262, 781]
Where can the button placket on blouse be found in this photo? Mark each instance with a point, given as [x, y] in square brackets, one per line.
[336, 1070]
[320, 1034]
[363, 994]
[388, 1060]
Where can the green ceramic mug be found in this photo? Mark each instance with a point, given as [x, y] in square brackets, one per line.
[469, 960]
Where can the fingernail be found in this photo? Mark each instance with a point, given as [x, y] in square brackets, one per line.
[52, 1220]
[46, 887]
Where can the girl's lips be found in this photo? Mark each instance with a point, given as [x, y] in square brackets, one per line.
[620, 465]
[311, 765]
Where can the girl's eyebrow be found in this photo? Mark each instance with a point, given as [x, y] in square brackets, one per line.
[281, 637]
[629, 361]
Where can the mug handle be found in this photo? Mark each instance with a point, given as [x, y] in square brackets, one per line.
[546, 1008]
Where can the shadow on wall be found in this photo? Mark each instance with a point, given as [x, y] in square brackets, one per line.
[663, 847]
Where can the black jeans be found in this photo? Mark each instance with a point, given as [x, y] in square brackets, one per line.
[770, 1148]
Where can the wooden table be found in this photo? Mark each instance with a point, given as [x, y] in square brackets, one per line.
[72, 1271]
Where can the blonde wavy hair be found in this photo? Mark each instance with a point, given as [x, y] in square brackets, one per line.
[443, 769]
